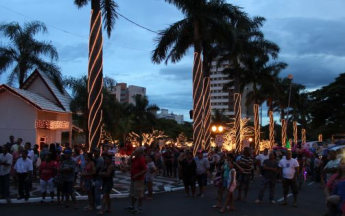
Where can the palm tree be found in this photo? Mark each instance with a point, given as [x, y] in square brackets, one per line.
[95, 70]
[23, 53]
[143, 113]
[205, 23]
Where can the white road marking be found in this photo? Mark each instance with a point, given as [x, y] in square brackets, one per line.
[116, 191]
[311, 183]
[281, 199]
[78, 194]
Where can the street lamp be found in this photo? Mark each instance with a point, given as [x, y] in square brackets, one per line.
[217, 129]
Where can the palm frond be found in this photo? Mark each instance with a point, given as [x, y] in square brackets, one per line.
[108, 8]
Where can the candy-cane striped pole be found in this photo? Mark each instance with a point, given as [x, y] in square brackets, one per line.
[237, 109]
[283, 132]
[271, 129]
[295, 137]
[304, 136]
[207, 114]
[256, 128]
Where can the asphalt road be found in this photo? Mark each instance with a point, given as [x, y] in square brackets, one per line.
[311, 202]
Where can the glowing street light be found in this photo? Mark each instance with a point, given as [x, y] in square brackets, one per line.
[217, 129]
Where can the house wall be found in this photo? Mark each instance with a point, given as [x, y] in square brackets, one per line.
[17, 118]
[40, 88]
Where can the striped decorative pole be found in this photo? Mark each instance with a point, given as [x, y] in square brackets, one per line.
[271, 129]
[256, 128]
[295, 137]
[320, 137]
[95, 76]
[283, 133]
[207, 113]
[198, 125]
[304, 136]
[237, 109]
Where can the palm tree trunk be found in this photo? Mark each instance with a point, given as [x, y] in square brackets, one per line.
[197, 92]
[95, 75]
[206, 100]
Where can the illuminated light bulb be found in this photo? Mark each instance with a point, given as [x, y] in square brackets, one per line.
[250, 139]
[220, 129]
[214, 128]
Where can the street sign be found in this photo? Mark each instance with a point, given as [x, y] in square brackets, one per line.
[219, 140]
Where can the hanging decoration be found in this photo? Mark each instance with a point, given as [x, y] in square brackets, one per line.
[52, 125]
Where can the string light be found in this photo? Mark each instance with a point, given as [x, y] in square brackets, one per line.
[52, 125]
[304, 136]
[207, 114]
[237, 126]
[320, 137]
[198, 125]
[283, 132]
[271, 129]
[256, 128]
[295, 132]
[230, 136]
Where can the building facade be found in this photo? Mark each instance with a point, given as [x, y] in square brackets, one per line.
[38, 113]
[165, 114]
[224, 100]
[125, 94]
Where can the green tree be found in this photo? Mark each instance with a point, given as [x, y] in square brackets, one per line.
[23, 53]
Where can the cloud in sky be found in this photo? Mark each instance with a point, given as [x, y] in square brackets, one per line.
[309, 32]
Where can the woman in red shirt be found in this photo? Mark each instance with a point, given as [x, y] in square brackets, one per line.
[47, 171]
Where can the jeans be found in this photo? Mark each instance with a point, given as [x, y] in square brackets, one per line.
[264, 183]
[23, 185]
[98, 191]
[5, 185]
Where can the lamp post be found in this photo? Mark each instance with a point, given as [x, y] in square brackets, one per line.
[290, 77]
[218, 130]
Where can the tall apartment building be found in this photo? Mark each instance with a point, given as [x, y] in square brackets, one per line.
[224, 100]
[125, 94]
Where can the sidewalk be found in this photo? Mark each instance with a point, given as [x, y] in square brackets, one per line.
[121, 188]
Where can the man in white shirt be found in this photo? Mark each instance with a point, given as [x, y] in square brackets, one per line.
[332, 165]
[262, 157]
[24, 170]
[289, 168]
[202, 170]
[16, 145]
[5, 169]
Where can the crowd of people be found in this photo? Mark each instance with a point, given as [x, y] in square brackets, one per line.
[62, 170]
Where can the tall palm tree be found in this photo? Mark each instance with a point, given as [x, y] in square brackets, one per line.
[23, 53]
[95, 69]
[205, 23]
[143, 112]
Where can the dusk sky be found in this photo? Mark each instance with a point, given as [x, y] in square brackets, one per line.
[310, 34]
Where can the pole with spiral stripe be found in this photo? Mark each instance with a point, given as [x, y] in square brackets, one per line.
[237, 109]
[295, 137]
[271, 129]
[207, 114]
[304, 136]
[198, 103]
[283, 133]
[95, 77]
[256, 128]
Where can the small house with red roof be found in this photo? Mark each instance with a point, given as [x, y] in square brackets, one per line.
[38, 113]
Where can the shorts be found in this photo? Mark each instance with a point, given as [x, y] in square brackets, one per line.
[137, 189]
[67, 187]
[232, 187]
[290, 183]
[225, 182]
[88, 183]
[244, 179]
[202, 179]
[107, 187]
[47, 185]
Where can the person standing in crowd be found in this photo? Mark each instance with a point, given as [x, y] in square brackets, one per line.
[269, 177]
[88, 173]
[10, 144]
[47, 171]
[244, 164]
[24, 169]
[36, 156]
[107, 174]
[224, 175]
[202, 171]
[31, 153]
[189, 173]
[316, 173]
[168, 159]
[15, 146]
[82, 167]
[99, 164]
[138, 171]
[151, 169]
[332, 165]
[44, 151]
[112, 152]
[261, 158]
[180, 158]
[58, 180]
[231, 182]
[67, 171]
[6, 160]
[289, 169]
[76, 158]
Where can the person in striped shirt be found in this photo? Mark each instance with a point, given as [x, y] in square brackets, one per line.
[244, 165]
